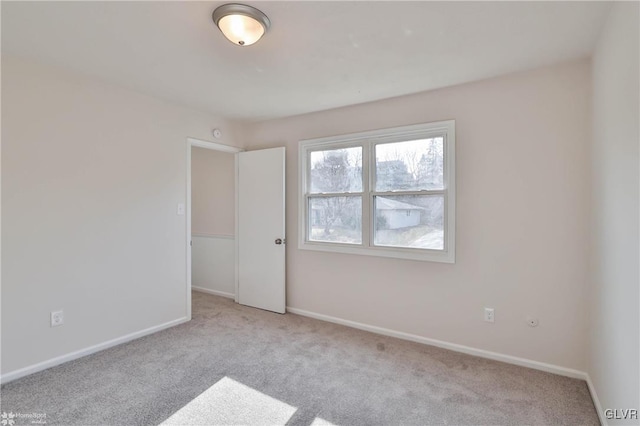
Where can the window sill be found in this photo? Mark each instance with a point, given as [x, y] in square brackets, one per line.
[396, 253]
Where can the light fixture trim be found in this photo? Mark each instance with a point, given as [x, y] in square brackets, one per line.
[243, 10]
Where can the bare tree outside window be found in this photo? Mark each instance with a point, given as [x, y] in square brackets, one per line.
[412, 165]
[336, 218]
[336, 171]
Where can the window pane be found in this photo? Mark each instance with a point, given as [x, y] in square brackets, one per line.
[410, 166]
[415, 221]
[336, 170]
[335, 219]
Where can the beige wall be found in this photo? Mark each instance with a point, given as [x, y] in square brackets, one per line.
[212, 192]
[614, 353]
[91, 178]
[522, 219]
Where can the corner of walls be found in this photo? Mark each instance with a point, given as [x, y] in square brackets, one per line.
[238, 128]
[596, 400]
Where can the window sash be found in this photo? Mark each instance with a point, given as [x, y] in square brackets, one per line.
[378, 141]
[331, 147]
[368, 141]
[445, 219]
[368, 193]
[308, 216]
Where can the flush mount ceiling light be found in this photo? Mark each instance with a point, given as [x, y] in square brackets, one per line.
[243, 25]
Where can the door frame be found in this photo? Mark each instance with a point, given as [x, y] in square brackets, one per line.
[193, 142]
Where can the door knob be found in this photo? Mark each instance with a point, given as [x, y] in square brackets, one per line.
[279, 241]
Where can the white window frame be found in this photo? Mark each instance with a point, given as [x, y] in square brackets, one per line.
[367, 140]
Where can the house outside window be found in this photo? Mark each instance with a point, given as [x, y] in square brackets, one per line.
[388, 193]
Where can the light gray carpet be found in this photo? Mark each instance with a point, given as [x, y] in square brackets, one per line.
[238, 365]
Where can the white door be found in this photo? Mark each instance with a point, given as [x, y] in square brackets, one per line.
[261, 250]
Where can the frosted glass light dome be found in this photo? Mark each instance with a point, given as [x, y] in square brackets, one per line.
[241, 24]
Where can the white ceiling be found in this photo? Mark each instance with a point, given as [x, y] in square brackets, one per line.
[317, 55]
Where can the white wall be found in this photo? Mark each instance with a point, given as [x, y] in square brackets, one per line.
[522, 223]
[91, 178]
[213, 221]
[614, 354]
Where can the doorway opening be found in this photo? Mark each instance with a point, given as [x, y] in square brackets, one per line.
[211, 219]
[256, 246]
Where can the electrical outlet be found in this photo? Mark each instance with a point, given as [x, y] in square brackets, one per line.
[57, 318]
[489, 315]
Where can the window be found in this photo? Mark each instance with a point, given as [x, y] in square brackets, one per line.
[386, 193]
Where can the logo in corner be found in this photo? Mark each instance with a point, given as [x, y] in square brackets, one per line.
[7, 419]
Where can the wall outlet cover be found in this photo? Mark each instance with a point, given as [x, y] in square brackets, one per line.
[489, 315]
[57, 318]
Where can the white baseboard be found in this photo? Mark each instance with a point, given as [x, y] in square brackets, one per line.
[214, 292]
[16, 374]
[596, 401]
[550, 368]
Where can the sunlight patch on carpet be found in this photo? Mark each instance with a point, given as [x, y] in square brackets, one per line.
[230, 402]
